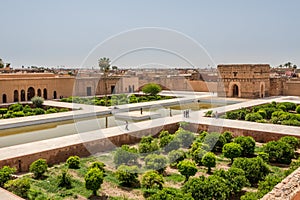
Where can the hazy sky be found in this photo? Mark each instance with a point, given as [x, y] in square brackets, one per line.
[64, 32]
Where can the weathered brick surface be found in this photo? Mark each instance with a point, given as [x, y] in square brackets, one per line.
[288, 189]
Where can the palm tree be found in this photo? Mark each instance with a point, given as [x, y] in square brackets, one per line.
[104, 64]
[289, 64]
[1, 63]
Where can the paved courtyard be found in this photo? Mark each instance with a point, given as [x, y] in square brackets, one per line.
[196, 117]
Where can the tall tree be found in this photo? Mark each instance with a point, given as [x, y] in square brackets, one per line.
[104, 64]
[1, 63]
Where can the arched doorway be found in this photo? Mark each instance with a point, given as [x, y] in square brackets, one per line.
[16, 96]
[4, 98]
[30, 93]
[45, 93]
[23, 95]
[235, 92]
[39, 92]
[262, 91]
[54, 95]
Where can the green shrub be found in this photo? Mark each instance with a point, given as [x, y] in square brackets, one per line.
[279, 152]
[127, 175]
[289, 105]
[213, 187]
[263, 113]
[8, 115]
[293, 141]
[19, 187]
[93, 180]
[173, 145]
[251, 196]
[38, 111]
[63, 110]
[19, 114]
[215, 141]
[37, 101]
[228, 136]
[27, 109]
[209, 160]
[232, 150]
[198, 154]
[290, 122]
[255, 168]
[253, 117]
[298, 109]
[264, 156]
[233, 115]
[6, 174]
[15, 107]
[126, 155]
[176, 156]
[152, 179]
[73, 162]
[3, 111]
[170, 194]
[269, 183]
[99, 165]
[64, 180]
[186, 137]
[187, 168]
[282, 107]
[38, 168]
[278, 113]
[51, 110]
[156, 162]
[148, 144]
[235, 179]
[247, 143]
[293, 166]
[163, 134]
[151, 89]
[165, 140]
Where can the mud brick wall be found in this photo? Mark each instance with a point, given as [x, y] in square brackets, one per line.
[84, 149]
[288, 189]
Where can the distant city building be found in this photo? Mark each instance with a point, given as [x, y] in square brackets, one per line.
[244, 80]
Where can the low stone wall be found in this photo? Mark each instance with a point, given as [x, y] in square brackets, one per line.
[288, 189]
[259, 136]
[58, 155]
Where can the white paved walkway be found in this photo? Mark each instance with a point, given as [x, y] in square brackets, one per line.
[195, 117]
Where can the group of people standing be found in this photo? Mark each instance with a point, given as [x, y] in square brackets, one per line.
[186, 113]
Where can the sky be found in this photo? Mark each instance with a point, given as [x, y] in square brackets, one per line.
[76, 33]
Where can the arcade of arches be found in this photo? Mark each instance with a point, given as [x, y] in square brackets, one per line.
[22, 87]
[31, 92]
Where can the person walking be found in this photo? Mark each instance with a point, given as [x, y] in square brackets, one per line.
[126, 125]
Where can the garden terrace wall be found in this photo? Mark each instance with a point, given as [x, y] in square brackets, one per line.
[288, 189]
[259, 136]
[84, 149]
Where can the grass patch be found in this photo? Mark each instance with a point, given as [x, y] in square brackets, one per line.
[175, 178]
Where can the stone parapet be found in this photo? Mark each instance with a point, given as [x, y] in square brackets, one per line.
[288, 189]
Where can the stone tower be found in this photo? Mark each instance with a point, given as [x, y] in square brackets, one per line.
[244, 80]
